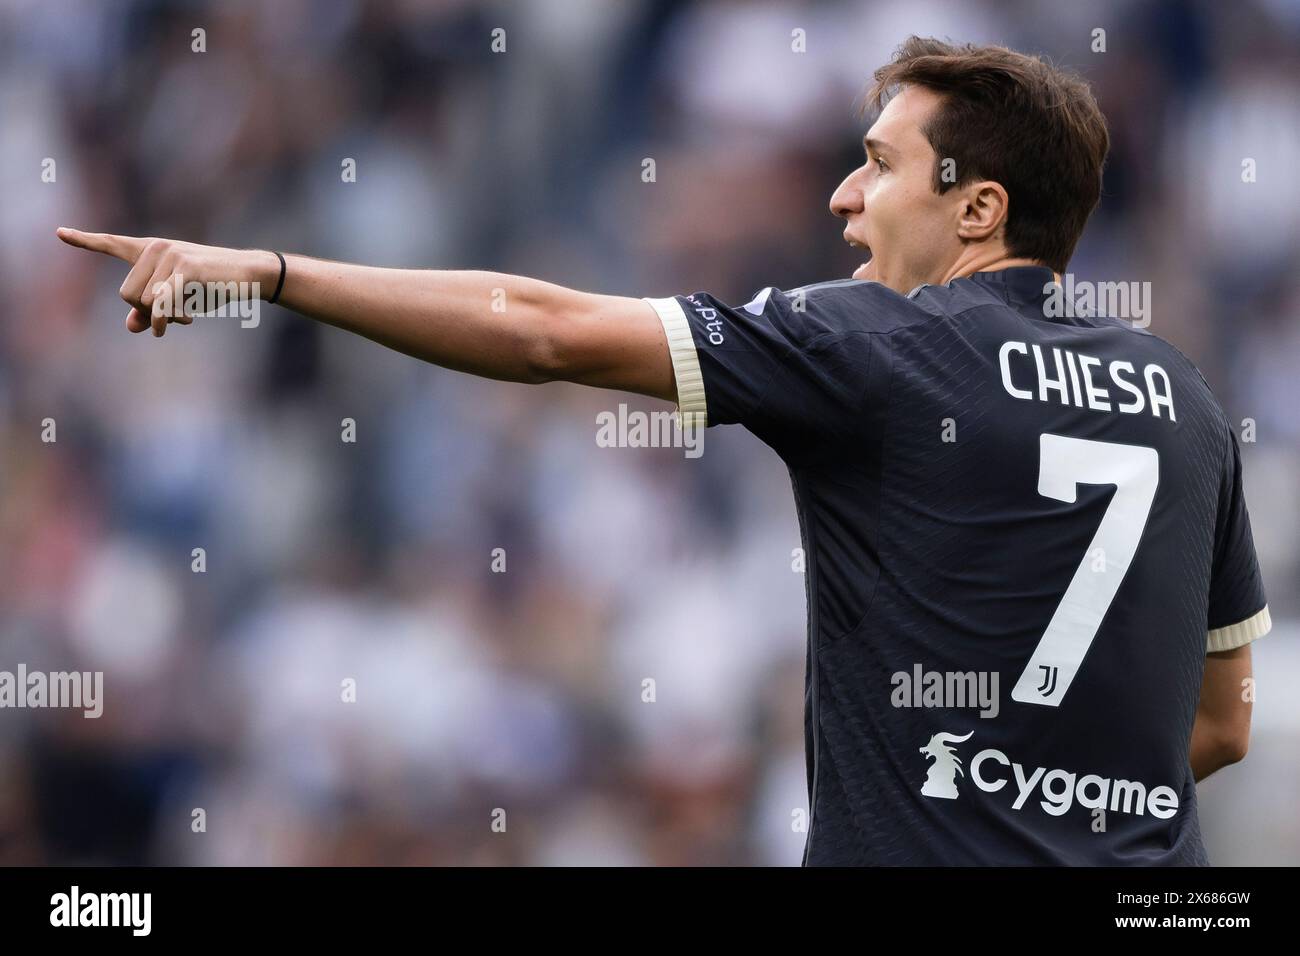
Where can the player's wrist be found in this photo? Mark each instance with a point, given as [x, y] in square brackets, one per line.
[263, 268]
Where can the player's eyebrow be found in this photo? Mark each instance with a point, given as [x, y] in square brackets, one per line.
[876, 145]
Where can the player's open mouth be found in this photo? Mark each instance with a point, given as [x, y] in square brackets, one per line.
[854, 243]
[862, 269]
[859, 245]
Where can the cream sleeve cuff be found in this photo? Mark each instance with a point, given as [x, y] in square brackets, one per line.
[692, 408]
[1239, 634]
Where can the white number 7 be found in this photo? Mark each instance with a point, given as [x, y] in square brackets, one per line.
[1064, 464]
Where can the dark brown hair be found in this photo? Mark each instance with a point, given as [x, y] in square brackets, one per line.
[1018, 121]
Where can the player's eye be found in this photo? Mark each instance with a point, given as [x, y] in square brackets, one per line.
[881, 164]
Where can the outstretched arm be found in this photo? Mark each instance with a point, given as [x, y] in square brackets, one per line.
[485, 323]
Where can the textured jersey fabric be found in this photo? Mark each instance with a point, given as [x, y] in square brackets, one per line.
[987, 490]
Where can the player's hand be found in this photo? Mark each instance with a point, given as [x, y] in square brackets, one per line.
[161, 267]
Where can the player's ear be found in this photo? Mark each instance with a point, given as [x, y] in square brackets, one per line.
[983, 210]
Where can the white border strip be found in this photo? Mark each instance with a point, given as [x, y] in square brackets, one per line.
[1239, 634]
[692, 408]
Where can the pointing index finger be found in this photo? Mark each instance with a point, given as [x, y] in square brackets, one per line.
[126, 248]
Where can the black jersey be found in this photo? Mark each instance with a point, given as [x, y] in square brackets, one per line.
[1023, 531]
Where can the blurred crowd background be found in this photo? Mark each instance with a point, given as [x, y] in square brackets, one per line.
[371, 560]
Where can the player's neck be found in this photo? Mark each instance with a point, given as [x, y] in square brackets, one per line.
[989, 261]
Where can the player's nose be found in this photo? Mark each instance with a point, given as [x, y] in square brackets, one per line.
[847, 199]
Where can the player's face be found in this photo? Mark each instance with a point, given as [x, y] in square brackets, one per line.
[889, 203]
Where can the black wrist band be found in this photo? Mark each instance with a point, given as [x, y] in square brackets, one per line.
[279, 285]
